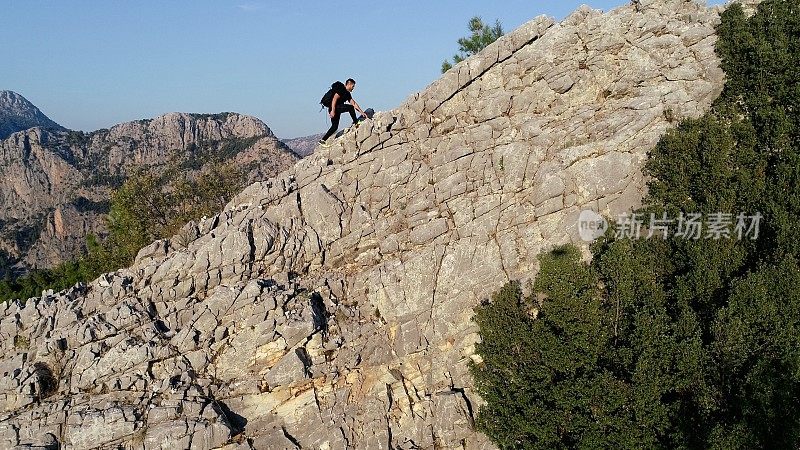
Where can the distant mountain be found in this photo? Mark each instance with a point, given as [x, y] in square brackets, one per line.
[18, 114]
[303, 146]
[55, 184]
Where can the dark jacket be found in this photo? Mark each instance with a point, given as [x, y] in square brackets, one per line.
[339, 88]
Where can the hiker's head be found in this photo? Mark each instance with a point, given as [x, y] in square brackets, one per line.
[350, 84]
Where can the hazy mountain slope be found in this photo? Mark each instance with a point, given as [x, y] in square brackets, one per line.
[304, 146]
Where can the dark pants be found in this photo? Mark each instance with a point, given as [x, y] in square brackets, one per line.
[344, 107]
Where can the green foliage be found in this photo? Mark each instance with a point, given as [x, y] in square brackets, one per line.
[32, 285]
[220, 117]
[112, 180]
[227, 149]
[152, 206]
[22, 342]
[604, 363]
[148, 206]
[528, 364]
[480, 36]
[77, 138]
[673, 343]
[756, 347]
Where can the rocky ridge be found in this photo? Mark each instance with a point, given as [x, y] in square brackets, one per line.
[330, 307]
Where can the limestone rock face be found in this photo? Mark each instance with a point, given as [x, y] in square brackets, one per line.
[330, 307]
[157, 138]
[55, 185]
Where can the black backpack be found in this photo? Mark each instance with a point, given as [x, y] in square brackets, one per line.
[327, 99]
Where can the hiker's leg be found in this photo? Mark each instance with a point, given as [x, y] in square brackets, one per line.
[352, 110]
[334, 125]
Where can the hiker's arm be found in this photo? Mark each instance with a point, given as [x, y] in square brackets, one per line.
[332, 112]
[355, 103]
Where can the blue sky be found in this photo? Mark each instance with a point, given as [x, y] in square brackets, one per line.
[93, 63]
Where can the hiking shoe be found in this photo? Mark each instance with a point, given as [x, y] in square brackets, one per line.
[323, 143]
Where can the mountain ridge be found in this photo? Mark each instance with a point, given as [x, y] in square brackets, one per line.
[18, 114]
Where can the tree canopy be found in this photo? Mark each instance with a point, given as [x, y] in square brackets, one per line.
[676, 343]
[480, 36]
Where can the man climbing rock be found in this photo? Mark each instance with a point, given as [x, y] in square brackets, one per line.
[336, 101]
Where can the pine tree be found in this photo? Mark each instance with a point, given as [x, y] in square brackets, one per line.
[481, 36]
